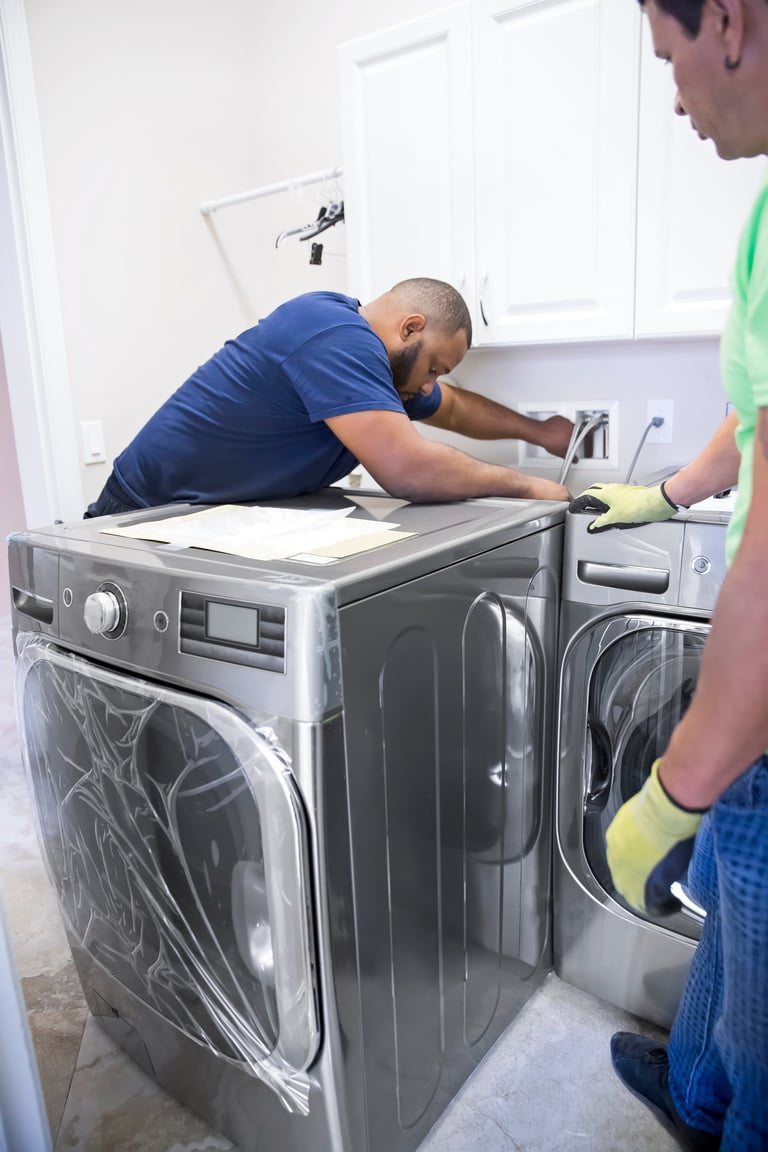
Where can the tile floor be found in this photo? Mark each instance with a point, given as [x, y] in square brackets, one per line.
[547, 1085]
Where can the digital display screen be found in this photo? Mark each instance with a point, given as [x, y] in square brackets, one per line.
[232, 623]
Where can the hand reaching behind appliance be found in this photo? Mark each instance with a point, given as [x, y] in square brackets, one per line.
[554, 435]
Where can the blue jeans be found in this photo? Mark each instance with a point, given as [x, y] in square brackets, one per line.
[718, 1047]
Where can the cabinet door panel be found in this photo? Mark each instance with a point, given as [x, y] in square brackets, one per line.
[555, 117]
[691, 208]
[406, 106]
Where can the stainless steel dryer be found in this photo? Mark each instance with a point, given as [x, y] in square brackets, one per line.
[298, 817]
[635, 613]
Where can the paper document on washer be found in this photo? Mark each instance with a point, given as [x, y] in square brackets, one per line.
[267, 533]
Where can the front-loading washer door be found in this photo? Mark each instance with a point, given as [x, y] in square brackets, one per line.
[177, 843]
[639, 676]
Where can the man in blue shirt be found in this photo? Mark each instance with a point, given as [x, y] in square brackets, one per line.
[322, 383]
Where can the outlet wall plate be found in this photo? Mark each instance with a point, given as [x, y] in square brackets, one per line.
[665, 409]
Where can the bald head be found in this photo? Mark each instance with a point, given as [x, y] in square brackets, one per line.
[426, 329]
[441, 305]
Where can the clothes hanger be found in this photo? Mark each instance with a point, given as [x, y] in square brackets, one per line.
[328, 215]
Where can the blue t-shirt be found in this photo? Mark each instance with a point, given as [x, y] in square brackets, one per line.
[249, 423]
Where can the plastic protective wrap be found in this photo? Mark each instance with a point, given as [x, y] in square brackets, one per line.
[176, 841]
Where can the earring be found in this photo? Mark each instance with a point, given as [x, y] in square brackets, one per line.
[732, 65]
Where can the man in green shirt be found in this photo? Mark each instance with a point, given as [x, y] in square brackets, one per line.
[708, 794]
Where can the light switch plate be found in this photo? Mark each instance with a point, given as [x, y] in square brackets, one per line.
[92, 436]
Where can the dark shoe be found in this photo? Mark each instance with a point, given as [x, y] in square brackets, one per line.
[642, 1065]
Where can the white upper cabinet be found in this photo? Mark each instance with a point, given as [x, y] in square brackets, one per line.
[691, 209]
[407, 123]
[555, 163]
[527, 152]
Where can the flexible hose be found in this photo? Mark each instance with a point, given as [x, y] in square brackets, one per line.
[656, 422]
[587, 424]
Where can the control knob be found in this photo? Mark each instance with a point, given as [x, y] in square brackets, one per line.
[104, 612]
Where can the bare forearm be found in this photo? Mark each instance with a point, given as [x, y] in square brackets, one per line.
[411, 466]
[726, 727]
[444, 473]
[476, 416]
[713, 470]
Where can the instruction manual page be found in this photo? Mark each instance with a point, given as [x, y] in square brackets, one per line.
[268, 533]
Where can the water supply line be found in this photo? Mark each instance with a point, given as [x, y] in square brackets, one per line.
[588, 423]
[655, 422]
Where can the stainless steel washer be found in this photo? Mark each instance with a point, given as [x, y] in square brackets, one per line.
[299, 817]
[635, 613]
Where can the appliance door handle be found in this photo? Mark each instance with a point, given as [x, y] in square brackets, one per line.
[29, 604]
[286, 892]
[601, 776]
[688, 905]
[628, 577]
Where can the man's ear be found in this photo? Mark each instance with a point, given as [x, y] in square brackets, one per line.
[729, 15]
[415, 322]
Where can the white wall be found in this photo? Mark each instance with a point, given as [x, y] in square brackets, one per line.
[148, 108]
[11, 503]
[630, 372]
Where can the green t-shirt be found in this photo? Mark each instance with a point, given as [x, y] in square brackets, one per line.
[744, 353]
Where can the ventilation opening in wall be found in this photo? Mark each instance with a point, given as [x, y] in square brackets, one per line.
[533, 452]
[597, 423]
[595, 426]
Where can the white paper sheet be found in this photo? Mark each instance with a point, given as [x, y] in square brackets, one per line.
[267, 533]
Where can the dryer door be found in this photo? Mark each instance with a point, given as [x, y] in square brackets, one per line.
[176, 841]
[628, 681]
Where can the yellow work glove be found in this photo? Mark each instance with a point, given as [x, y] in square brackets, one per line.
[623, 505]
[649, 844]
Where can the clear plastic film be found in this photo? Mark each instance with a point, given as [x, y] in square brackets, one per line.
[175, 839]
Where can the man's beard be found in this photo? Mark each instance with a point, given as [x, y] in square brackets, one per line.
[401, 363]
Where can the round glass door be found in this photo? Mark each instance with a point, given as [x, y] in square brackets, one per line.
[177, 844]
[640, 685]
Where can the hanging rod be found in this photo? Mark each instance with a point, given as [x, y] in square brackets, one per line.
[209, 206]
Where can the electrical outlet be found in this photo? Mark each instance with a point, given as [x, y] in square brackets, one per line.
[663, 434]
